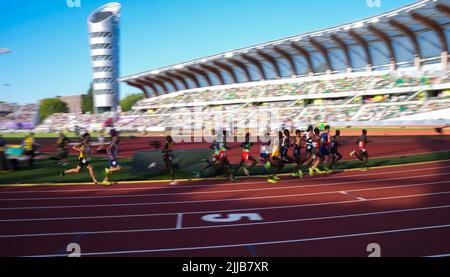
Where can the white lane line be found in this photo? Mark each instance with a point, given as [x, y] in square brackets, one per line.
[221, 226]
[213, 192]
[352, 195]
[149, 188]
[439, 256]
[353, 235]
[218, 211]
[179, 221]
[217, 200]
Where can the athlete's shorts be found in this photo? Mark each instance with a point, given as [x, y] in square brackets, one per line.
[222, 154]
[324, 151]
[309, 148]
[276, 152]
[168, 157]
[83, 162]
[113, 163]
[245, 156]
[264, 155]
[363, 153]
[333, 150]
[215, 158]
[316, 153]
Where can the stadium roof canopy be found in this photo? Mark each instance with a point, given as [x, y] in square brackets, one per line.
[412, 36]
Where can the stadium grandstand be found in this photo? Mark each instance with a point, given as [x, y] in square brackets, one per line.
[378, 69]
[15, 117]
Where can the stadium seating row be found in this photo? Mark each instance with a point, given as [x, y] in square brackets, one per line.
[302, 88]
[288, 113]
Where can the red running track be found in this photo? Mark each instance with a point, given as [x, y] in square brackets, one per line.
[382, 146]
[406, 210]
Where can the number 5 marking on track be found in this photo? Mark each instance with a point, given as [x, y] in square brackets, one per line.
[374, 249]
[219, 218]
[74, 249]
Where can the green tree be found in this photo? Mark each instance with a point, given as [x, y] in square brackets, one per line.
[127, 103]
[50, 106]
[88, 102]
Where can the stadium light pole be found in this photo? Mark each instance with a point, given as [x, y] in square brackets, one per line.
[7, 86]
[7, 94]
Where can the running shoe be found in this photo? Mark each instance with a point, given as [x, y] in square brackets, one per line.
[352, 153]
[246, 172]
[174, 183]
[311, 172]
[273, 181]
[61, 175]
[319, 171]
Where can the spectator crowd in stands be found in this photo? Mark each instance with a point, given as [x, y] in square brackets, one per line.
[14, 116]
[369, 99]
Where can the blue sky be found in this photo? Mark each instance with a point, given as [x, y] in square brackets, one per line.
[50, 42]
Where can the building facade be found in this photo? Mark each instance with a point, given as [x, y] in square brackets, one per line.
[73, 102]
[104, 36]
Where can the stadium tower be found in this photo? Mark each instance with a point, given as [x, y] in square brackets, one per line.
[104, 35]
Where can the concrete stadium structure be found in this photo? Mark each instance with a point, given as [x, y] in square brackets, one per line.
[104, 35]
[415, 36]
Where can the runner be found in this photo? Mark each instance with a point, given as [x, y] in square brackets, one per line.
[325, 146]
[63, 152]
[334, 149]
[246, 156]
[362, 154]
[285, 145]
[277, 160]
[214, 161]
[84, 148]
[316, 156]
[29, 146]
[168, 159]
[113, 151]
[223, 156]
[297, 154]
[307, 137]
[265, 150]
